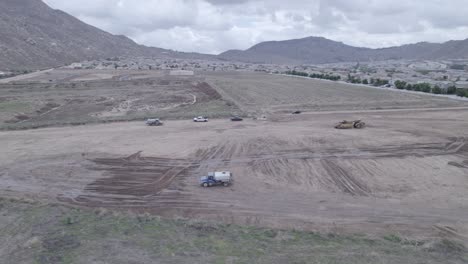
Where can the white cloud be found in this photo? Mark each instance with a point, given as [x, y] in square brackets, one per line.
[213, 26]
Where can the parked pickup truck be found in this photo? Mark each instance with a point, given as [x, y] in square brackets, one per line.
[154, 122]
[216, 178]
[236, 118]
[200, 119]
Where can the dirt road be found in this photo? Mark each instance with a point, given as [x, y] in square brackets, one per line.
[25, 76]
[406, 172]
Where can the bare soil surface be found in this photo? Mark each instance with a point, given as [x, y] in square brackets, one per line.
[263, 94]
[75, 97]
[405, 173]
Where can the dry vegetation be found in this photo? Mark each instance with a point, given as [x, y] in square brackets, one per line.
[264, 93]
[82, 98]
[44, 234]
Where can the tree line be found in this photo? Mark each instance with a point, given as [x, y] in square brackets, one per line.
[428, 88]
[401, 85]
[372, 81]
[315, 75]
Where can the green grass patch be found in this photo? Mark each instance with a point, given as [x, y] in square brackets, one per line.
[15, 106]
[393, 238]
[68, 235]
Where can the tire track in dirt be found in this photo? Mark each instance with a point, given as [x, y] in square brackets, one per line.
[463, 165]
[159, 183]
[132, 180]
[451, 233]
[235, 152]
[344, 180]
[457, 145]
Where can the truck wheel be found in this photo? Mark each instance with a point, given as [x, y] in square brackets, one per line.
[205, 184]
[210, 184]
[226, 184]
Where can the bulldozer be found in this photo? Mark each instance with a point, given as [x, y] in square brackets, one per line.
[350, 124]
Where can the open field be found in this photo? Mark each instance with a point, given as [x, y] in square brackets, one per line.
[44, 234]
[74, 97]
[70, 97]
[404, 177]
[37, 233]
[258, 93]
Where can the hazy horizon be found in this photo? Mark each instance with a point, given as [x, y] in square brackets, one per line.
[215, 26]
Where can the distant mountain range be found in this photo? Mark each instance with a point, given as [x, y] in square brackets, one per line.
[317, 50]
[35, 36]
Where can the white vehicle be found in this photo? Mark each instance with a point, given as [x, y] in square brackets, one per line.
[200, 119]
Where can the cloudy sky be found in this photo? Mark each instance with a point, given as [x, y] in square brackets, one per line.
[214, 26]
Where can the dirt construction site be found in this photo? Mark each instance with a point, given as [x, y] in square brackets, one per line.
[406, 172]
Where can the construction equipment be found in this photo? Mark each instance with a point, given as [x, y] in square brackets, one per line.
[154, 122]
[350, 124]
[216, 178]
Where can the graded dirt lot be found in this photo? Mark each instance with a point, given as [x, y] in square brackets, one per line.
[407, 172]
[404, 177]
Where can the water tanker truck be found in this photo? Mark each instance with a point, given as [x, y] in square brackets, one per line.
[216, 178]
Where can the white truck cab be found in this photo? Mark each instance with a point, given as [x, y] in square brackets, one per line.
[200, 119]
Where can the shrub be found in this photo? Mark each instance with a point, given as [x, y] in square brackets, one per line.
[393, 238]
[436, 90]
[297, 73]
[426, 89]
[462, 92]
[379, 82]
[353, 79]
[448, 247]
[422, 87]
[452, 90]
[400, 84]
[325, 76]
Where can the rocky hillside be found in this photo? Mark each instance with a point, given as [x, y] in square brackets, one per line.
[35, 36]
[320, 50]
